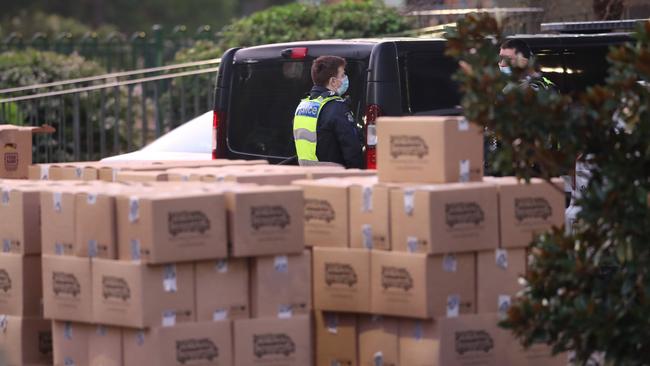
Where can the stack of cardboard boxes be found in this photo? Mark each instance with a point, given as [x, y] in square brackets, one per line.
[173, 273]
[25, 336]
[418, 266]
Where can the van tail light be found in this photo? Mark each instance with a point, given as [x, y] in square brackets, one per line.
[372, 113]
[218, 146]
[296, 53]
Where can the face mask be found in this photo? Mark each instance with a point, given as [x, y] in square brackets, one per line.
[344, 86]
[505, 69]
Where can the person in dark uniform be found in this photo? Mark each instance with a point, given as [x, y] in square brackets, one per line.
[516, 53]
[324, 129]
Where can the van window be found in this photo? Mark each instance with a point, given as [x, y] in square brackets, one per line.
[585, 66]
[427, 84]
[264, 97]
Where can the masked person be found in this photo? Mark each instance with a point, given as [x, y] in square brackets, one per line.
[516, 53]
[324, 129]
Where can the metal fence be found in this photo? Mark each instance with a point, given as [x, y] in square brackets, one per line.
[115, 51]
[110, 114]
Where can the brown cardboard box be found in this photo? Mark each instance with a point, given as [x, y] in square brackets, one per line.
[139, 295]
[528, 209]
[25, 341]
[326, 212]
[378, 341]
[69, 171]
[445, 218]
[105, 346]
[58, 220]
[70, 343]
[39, 172]
[95, 228]
[369, 215]
[171, 226]
[472, 340]
[421, 286]
[281, 285]
[429, 150]
[498, 273]
[21, 285]
[341, 279]
[419, 342]
[273, 341]
[222, 289]
[67, 291]
[265, 220]
[16, 149]
[138, 176]
[203, 343]
[20, 229]
[336, 339]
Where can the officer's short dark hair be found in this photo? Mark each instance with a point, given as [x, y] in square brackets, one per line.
[324, 68]
[519, 46]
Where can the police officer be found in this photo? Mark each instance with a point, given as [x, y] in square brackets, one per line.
[324, 130]
[515, 52]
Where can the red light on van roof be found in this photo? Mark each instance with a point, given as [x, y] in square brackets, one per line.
[296, 53]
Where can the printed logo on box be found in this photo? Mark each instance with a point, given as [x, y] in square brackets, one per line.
[11, 161]
[187, 222]
[115, 287]
[320, 210]
[408, 145]
[340, 273]
[473, 341]
[273, 344]
[532, 208]
[396, 277]
[65, 283]
[459, 213]
[196, 350]
[269, 216]
[5, 281]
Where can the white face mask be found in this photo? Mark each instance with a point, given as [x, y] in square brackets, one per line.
[345, 83]
[505, 69]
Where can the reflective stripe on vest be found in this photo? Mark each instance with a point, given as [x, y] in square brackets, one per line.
[304, 129]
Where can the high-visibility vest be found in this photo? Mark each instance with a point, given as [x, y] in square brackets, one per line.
[304, 129]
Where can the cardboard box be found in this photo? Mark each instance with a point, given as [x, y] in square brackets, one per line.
[21, 285]
[273, 341]
[336, 339]
[326, 212]
[429, 150]
[419, 342]
[422, 286]
[202, 343]
[472, 340]
[341, 279]
[16, 149]
[369, 215]
[105, 346]
[68, 171]
[95, 226]
[378, 341]
[171, 226]
[138, 295]
[528, 209]
[58, 220]
[67, 288]
[445, 218]
[222, 289]
[137, 176]
[70, 342]
[265, 220]
[20, 229]
[281, 285]
[25, 341]
[39, 172]
[498, 273]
